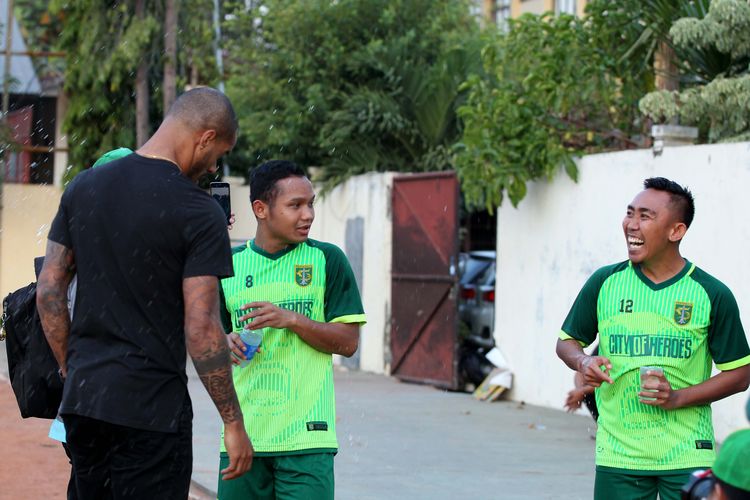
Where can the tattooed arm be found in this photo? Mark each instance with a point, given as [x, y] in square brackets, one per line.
[52, 299]
[207, 345]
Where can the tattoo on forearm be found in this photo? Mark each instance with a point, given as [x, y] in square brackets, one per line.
[52, 300]
[220, 387]
[207, 345]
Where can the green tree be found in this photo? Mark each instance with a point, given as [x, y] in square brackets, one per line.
[105, 43]
[351, 86]
[718, 101]
[656, 17]
[556, 87]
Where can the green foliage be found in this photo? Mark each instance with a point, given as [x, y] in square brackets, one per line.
[352, 86]
[720, 105]
[557, 87]
[40, 29]
[655, 17]
[105, 43]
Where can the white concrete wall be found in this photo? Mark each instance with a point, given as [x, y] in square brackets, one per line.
[563, 231]
[367, 196]
[25, 218]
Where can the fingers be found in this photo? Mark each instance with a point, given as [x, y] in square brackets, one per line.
[656, 381]
[653, 398]
[255, 305]
[594, 370]
[237, 466]
[230, 472]
[254, 315]
[237, 348]
[601, 366]
[265, 314]
[594, 376]
[655, 394]
[593, 382]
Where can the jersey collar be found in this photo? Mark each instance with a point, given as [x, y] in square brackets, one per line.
[273, 256]
[686, 270]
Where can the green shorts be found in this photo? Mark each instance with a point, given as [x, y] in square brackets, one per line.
[615, 484]
[287, 477]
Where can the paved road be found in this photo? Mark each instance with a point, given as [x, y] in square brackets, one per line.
[406, 441]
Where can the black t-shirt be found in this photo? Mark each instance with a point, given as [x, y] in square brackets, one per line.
[137, 227]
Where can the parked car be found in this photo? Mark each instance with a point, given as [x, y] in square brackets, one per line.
[476, 311]
[476, 303]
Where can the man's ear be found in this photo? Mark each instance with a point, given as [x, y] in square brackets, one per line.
[678, 232]
[206, 138]
[260, 209]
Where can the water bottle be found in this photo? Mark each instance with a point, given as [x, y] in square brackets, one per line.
[251, 339]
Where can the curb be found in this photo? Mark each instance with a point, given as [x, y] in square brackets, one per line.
[200, 492]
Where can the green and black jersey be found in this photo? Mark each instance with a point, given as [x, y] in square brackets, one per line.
[679, 325]
[286, 392]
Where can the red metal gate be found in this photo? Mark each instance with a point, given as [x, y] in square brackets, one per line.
[425, 250]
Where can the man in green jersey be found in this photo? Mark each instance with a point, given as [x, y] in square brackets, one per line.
[655, 310]
[302, 294]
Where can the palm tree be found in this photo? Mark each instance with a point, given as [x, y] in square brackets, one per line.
[657, 17]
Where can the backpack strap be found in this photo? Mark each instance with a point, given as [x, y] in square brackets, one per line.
[38, 263]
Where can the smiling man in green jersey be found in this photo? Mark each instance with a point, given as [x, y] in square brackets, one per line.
[659, 310]
[303, 295]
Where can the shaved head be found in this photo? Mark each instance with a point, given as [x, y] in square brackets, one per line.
[205, 108]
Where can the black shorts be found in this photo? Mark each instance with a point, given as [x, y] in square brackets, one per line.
[118, 462]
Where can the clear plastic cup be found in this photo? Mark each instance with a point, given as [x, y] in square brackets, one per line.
[653, 378]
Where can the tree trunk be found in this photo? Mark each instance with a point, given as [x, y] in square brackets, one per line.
[169, 87]
[194, 75]
[141, 87]
[665, 69]
[488, 12]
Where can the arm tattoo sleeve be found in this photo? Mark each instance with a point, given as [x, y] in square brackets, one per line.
[52, 298]
[207, 345]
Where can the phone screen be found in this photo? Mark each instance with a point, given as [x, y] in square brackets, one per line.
[220, 192]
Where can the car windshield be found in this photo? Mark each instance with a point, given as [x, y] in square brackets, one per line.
[474, 269]
[487, 277]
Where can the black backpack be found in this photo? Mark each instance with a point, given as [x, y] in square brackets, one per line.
[32, 367]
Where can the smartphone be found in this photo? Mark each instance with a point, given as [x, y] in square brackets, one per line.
[219, 191]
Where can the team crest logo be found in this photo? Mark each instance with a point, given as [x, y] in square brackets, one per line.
[683, 313]
[303, 275]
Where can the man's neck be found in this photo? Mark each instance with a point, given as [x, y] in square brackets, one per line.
[269, 244]
[168, 143]
[661, 270]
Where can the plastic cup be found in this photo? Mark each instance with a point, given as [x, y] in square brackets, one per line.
[645, 377]
[252, 340]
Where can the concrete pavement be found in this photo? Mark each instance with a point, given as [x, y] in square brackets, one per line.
[406, 441]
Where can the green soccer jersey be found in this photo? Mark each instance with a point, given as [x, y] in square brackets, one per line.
[679, 325]
[286, 391]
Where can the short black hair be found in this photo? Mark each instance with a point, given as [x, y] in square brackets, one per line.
[207, 109]
[264, 177]
[681, 197]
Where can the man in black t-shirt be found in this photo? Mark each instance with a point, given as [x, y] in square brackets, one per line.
[148, 246]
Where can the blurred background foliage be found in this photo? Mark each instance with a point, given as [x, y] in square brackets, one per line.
[355, 86]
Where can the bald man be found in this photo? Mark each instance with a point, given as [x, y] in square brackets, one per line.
[149, 247]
